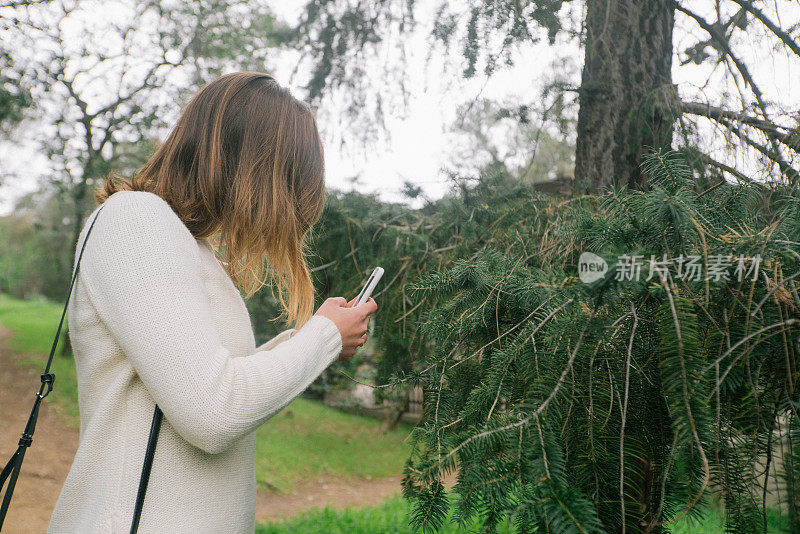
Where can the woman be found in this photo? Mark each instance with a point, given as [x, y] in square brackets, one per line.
[156, 318]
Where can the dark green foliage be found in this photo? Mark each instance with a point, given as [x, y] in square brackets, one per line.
[14, 98]
[36, 253]
[539, 387]
[353, 50]
[516, 22]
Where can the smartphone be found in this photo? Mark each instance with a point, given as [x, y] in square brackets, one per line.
[366, 291]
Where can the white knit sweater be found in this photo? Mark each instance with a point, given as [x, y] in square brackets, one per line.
[154, 318]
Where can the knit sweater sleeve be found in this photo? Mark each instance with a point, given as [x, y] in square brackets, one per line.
[280, 338]
[141, 268]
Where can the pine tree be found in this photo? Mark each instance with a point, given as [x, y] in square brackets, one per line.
[615, 406]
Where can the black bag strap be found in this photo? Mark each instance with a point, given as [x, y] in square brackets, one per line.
[12, 468]
[155, 426]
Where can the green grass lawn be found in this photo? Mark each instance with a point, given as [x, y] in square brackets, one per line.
[34, 323]
[392, 516]
[309, 438]
[305, 439]
[389, 517]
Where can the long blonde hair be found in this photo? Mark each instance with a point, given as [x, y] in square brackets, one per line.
[244, 164]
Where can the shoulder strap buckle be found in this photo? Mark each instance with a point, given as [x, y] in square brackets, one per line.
[47, 378]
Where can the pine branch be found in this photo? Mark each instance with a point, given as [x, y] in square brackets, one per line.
[684, 380]
[542, 407]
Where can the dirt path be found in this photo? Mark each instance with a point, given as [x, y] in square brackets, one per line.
[324, 490]
[48, 460]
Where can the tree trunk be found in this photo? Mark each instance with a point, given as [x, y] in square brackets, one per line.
[627, 104]
[627, 100]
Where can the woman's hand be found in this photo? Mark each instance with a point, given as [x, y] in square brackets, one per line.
[351, 322]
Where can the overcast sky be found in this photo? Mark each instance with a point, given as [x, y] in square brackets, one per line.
[420, 144]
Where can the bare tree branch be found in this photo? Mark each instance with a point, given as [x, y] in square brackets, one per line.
[715, 112]
[724, 47]
[766, 126]
[779, 33]
[23, 3]
[727, 168]
[785, 168]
